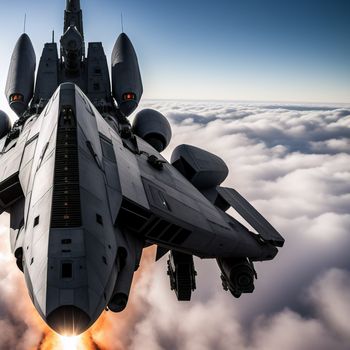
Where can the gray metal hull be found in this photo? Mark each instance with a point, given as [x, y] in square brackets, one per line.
[87, 191]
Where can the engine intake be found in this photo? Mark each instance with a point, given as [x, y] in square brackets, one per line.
[203, 169]
[5, 124]
[152, 127]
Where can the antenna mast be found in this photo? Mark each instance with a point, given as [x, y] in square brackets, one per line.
[121, 21]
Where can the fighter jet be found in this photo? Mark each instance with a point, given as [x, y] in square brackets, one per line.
[87, 190]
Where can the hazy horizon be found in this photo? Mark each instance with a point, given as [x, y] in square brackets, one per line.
[230, 50]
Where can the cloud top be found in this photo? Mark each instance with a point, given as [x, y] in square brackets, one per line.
[293, 163]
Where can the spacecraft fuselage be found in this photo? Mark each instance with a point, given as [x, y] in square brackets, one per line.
[87, 191]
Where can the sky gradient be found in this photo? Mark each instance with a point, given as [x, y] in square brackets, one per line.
[225, 50]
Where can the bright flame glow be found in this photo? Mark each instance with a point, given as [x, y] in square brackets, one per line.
[109, 330]
[70, 343]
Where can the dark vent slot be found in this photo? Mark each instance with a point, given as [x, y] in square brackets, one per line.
[149, 226]
[66, 271]
[36, 221]
[66, 211]
[133, 216]
[66, 241]
[169, 233]
[99, 219]
[142, 221]
[158, 229]
[11, 193]
[181, 236]
[136, 209]
[131, 219]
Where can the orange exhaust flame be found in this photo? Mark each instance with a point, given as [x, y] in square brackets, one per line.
[111, 330]
[53, 341]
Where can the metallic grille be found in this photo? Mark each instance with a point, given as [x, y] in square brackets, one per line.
[66, 210]
[156, 229]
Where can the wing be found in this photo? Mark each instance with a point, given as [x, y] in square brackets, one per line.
[251, 215]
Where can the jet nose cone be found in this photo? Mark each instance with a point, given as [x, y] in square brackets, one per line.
[68, 320]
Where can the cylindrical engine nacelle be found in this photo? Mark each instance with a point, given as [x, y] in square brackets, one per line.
[128, 259]
[202, 168]
[20, 79]
[152, 127]
[126, 78]
[237, 275]
[5, 124]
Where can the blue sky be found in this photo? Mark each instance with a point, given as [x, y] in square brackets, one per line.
[271, 50]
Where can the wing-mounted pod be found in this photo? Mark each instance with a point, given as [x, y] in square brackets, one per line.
[152, 127]
[5, 124]
[20, 79]
[203, 169]
[237, 275]
[126, 78]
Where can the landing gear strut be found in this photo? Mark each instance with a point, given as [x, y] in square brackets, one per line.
[182, 275]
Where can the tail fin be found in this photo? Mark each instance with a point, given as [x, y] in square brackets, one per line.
[73, 16]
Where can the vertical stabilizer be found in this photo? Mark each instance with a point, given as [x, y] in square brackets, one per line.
[73, 16]
[72, 40]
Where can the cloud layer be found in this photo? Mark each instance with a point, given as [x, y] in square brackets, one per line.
[293, 163]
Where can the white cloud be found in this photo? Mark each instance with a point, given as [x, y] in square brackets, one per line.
[331, 294]
[18, 320]
[293, 163]
[289, 331]
[304, 190]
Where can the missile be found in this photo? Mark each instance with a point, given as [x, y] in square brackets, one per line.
[20, 79]
[126, 78]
